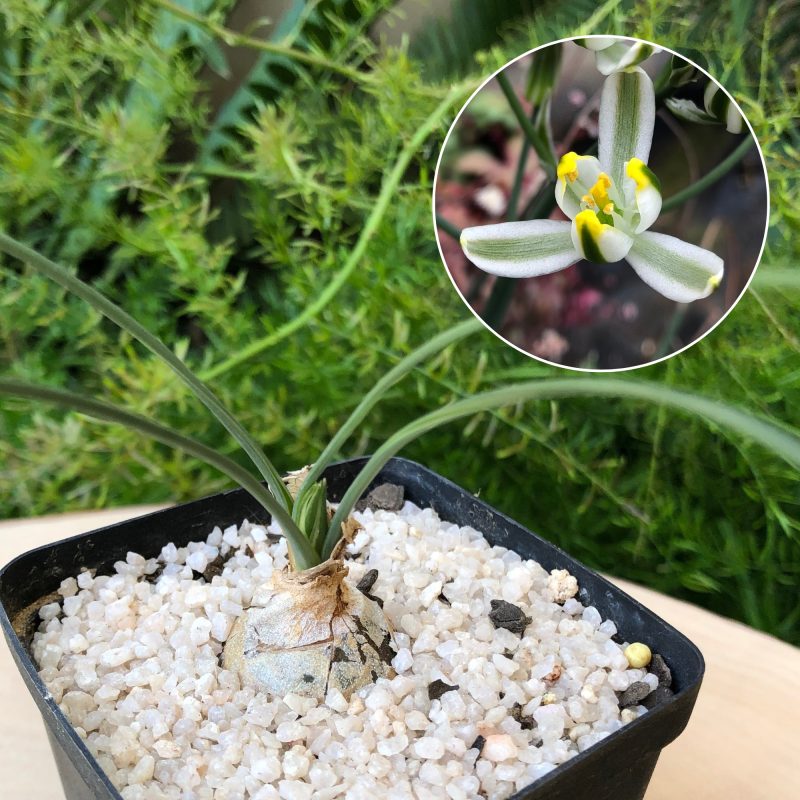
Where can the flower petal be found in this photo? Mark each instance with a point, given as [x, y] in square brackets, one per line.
[690, 111]
[622, 56]
[680, 271]
[596, 42]
[520, 249]
[627, 117]
[575, 176]
[598, 242]
[645, 188]
[718, 103]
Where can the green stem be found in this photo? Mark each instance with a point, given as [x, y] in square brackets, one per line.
[448, 227]
[125, 321]
[513, 200]
[233, 38]
[372, 397]
[783, 441]
[711, 177]
[503, 289]
[375, 218]
[303, 555]
[498, 302]
[546, 158]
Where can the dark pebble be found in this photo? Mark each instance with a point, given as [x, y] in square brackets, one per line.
[526, 723]
[508, 616]
[442, 599]
[385, 497]
[659, 695]
[660, 669]
[438, 688]
[634, 694]
[368, 581]
[156, 574]
[214, 567]
[478, 744]
[374, 598]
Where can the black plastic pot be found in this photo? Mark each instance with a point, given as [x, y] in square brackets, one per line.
[619, 767]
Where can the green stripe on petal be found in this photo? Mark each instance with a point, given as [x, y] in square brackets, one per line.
[680, 271]
[520, 249]
[598, 242]
[627, 118]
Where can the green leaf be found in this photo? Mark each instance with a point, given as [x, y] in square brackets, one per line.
[782, 441]
[303, 553]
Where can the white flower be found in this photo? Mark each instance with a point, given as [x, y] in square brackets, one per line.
[615, 55]
[718, 109]
[612, 200]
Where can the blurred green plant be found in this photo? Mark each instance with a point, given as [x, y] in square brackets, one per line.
[103, 141]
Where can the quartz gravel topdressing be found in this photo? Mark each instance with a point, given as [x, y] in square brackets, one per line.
[502, 674]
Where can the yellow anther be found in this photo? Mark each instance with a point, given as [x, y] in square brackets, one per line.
[588, 199]
[714, 281]
[608, 208]
[568, 167]
[642, 176]
[599, 192]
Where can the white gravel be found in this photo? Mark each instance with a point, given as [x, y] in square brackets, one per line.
[134, 666]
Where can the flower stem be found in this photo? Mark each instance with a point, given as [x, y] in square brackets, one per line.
[303, 554]
[546, 158]
[375, 218]
[448, 227]
[125, 321]
[782, 440]
[711, 177]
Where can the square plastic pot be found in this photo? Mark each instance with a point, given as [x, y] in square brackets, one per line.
[617, 768]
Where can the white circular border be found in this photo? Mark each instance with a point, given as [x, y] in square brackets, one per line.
[436, 227]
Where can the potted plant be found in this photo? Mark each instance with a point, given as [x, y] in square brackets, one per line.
[305, 647]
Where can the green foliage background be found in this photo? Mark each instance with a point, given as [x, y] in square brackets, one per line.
[217, 224]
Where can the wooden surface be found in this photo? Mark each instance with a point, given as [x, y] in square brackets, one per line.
[741, 743]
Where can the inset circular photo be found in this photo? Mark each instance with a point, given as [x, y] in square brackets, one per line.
[601, 203]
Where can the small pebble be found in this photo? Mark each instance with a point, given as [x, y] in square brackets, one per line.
[478, 744]
[638, 655]
[429, 747]
[367, 581]
[561, 586]
[634, 694]
[507, 615]
[660, 669]
[385, 497]
[659, 695]
[525, 722]
[499, 747]
[438, 687]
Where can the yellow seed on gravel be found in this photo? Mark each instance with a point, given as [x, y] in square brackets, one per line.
[638, 655]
